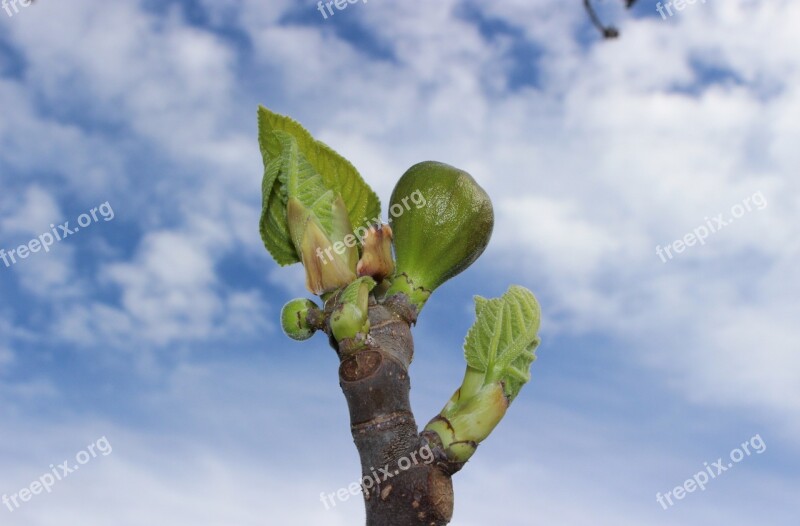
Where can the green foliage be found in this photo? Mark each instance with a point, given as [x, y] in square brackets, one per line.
[274, 224]
[501, 343]
[297, 165]
[499, 351]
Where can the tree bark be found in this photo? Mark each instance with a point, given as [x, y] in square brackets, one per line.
[400, 489]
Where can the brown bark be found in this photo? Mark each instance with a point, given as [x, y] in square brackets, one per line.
[375, 382]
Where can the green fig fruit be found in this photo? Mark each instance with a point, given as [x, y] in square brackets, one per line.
[442, 221]
[300, 319]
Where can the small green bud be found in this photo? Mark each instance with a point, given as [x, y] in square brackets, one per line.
[350, 317]
[441, 236]
[347, 321]
[300, 319]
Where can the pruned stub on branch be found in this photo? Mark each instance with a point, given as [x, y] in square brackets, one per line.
[374, 280]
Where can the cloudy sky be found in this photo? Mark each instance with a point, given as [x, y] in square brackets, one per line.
[155, 324]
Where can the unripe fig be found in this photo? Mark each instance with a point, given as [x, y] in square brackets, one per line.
[300, 318]
[442, 234]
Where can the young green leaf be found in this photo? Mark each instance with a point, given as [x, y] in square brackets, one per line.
[337, 173]
[274, 225]
[288, 176]
[499, 350]
[501, 343]
[304, 219]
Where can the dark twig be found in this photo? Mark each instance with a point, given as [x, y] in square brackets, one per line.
[607, 31]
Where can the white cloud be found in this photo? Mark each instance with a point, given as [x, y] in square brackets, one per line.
[31, 214]
[49, 272]
[221, 456]
[625, 146]
[171, 293]
[621, 146]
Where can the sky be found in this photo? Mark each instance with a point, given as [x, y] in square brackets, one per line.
[645, 189]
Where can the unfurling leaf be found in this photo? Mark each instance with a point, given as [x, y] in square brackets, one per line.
[316, 221]
[501, 343]
[337, 173]
[499, 351]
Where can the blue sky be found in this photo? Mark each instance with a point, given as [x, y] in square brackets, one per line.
[158, 328]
